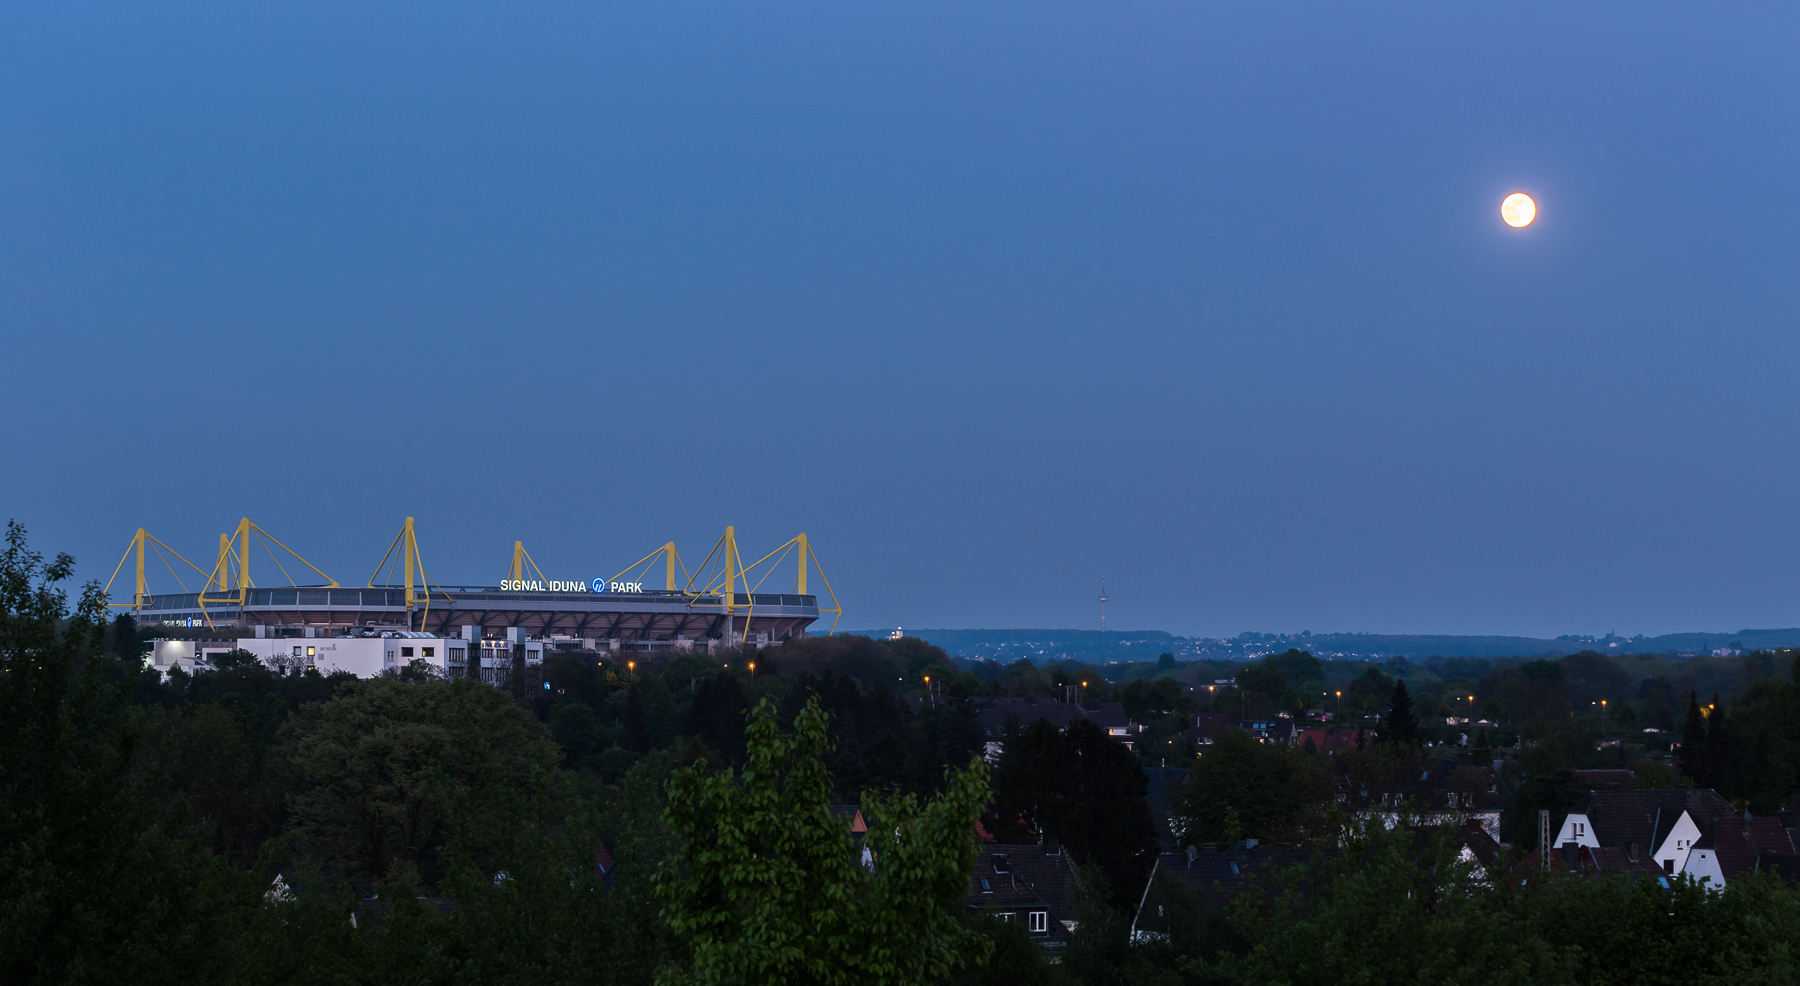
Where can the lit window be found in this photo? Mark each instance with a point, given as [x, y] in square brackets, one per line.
[312, 652]
[1039, 921]
[429, 651]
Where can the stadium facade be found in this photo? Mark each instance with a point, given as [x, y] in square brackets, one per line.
[717, 608]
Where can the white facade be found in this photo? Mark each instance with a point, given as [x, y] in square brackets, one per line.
[1672, 855]
[364, 657]
[1703, 866]
[1576, 829]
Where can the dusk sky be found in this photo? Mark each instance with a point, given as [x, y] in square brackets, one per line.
[991, 300]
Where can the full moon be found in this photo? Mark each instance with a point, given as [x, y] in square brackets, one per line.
[1518, 210]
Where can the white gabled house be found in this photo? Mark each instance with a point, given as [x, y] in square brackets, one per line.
[1667, 823]
[1734, 846]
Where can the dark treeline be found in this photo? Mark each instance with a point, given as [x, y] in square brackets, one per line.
[246, 825]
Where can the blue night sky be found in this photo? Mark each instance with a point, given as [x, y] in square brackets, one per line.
[991, 300]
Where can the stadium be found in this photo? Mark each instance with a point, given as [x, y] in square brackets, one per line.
[722, 604]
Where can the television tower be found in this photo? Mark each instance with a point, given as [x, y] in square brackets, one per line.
[1102, 604]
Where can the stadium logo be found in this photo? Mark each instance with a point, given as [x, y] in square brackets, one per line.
[532, 585]
[597, 585]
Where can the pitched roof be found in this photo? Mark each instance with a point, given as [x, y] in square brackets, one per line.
[1588, 861]
[852, 816]
[1785, 866]
[1620, 818]
[1012, 877]
[1328, 740]
[1738, 843]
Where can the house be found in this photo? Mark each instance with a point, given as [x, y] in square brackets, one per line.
[1203, 728]
[1033, 885]
[992, 714]
[1327, 740]
[1666, 824]
[1590, 861]
[1474, 844]
[1735, 846]
[1430, 792]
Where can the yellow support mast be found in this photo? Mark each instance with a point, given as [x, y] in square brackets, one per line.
[412, 559]
[518, 569]
[669, 557]
[730, 597]
[135, 547]
[243, 545]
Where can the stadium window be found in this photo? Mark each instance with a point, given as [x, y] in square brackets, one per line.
[312, 651]
[406, 652]
[429, 651]
[296, 652]
[1040, 921]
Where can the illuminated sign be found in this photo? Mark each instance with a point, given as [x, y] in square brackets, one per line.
[597, 585]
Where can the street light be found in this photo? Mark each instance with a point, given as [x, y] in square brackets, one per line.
[1212, 698]
[753, 672]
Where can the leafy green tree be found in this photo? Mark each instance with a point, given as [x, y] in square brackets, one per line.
[1481, 751]
[98, 884]
[766, 883]
[1400, 725]
[364, 801]
[1693, 743]
[1240, 788]
[1718, 744]
[716, 715]
[124, 642]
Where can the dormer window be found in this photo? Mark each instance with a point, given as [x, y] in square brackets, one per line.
[1001, 866]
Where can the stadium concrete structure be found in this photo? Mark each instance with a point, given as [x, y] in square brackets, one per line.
[721, 604]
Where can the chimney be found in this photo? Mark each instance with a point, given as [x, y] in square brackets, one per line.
[1571, 854]
[1631, 851]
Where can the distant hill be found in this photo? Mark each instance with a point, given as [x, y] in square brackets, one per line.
[1095, 647]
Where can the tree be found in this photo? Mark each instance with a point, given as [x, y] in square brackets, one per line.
[1241, 788]
[97, 882]
[1693, 743]
[1718, 744]
[1083, 788]
[766, 882]
[365, 763]
[716, 715]
[1399, 725]
[1029, 784]
[1481, 752]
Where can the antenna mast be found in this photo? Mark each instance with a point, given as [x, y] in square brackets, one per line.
[1102, 604]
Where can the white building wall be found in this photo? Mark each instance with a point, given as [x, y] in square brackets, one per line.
[1672, 855]
[1703, 866]
[364, 657]
[1576, 829]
